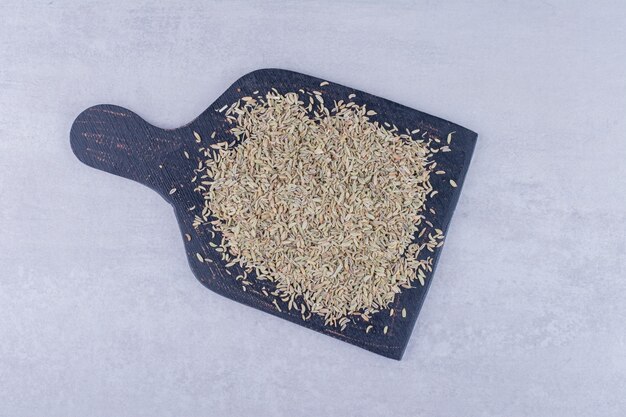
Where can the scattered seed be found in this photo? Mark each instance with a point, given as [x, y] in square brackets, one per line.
[324, 206]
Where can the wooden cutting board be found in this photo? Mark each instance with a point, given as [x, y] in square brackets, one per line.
[116, 140]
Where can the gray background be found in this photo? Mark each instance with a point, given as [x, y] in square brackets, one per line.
[101, 316]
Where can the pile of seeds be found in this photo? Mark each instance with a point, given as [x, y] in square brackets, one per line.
[323, 203]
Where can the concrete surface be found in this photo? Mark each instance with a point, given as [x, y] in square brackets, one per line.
[101, 316]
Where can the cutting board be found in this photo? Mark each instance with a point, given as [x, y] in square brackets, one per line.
[116, 140]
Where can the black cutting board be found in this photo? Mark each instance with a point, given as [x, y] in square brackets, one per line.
[116, 140]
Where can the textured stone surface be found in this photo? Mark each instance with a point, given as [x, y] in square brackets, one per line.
[100, 314]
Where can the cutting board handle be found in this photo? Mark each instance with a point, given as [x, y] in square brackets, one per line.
[116, 140]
